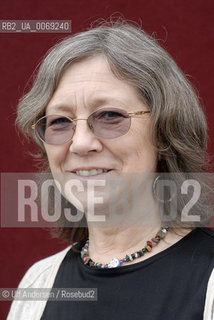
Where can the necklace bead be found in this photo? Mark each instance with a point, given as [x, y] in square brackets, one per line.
[115, 262]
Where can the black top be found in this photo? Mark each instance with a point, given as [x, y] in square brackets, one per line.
[170, 285]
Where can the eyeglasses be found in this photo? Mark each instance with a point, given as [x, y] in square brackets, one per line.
[107, 123]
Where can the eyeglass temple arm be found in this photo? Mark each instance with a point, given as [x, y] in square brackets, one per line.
[39, 125]
[138, 113]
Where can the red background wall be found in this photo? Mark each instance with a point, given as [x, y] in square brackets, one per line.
[185, 29]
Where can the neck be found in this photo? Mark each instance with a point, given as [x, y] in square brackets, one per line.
[119, 243]
[128, 235]
[116, 243]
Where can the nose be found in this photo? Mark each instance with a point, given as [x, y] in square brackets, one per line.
[83, 140]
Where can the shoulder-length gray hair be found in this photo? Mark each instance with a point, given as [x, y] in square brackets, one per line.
[179, 124]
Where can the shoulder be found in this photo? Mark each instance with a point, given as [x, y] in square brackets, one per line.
[209, 302]
[202, 234]
[208, 233]
[206, 236]
[202, 248]
[205, 247]
[39, 271]
[40, 275]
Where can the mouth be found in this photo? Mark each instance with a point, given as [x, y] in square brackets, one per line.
[90, 172]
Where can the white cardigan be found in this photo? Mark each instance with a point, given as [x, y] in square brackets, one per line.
[42, 275]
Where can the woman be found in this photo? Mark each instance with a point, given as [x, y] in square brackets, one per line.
[110, 104]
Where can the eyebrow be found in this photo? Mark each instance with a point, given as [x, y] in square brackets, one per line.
[61, 107]
[95, 103]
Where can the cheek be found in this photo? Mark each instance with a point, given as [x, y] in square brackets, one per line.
[55, 155]
[137, 151]
[146, 151]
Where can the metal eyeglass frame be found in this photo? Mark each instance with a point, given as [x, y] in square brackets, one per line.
[131, 115]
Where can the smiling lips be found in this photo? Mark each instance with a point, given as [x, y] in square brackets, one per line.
[85, 172]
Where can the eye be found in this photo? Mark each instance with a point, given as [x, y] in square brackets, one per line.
[57, 122]
[51, 121]
[109, 116]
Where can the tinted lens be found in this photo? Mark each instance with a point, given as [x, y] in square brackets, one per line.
[55, 129]
[109, 123]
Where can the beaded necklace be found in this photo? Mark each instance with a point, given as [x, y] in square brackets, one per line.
[114, 263]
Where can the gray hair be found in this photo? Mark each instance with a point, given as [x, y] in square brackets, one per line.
[178, 122]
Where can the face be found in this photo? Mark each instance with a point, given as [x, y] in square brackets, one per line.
[85, 87]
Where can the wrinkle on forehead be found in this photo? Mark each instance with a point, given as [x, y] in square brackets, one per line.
[92, 79]
[95, 68]
[86, 82]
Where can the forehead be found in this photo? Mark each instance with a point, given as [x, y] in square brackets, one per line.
[93, 71]
[91, 81]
